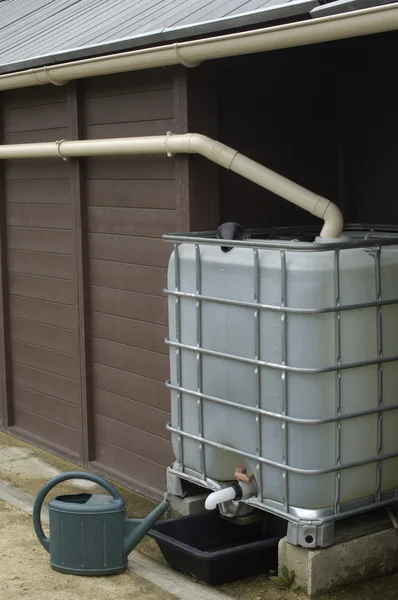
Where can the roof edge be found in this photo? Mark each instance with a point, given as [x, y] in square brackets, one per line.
[168, 34]
[192, 53]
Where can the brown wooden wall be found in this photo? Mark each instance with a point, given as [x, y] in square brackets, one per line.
[85, 268]
[371, 131]
[131, 202]
[41, 262]
[282, 114]
[324, 116]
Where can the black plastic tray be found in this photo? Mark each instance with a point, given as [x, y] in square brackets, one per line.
[215, 550]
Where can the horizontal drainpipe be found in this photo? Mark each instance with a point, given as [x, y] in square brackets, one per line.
[190, 143]
[190, 54]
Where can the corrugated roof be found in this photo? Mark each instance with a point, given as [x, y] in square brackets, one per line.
[39, 32]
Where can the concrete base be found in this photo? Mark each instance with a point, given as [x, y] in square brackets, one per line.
[185, 507]
[365, 547]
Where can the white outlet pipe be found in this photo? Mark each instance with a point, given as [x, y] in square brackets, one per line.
[312, 31]
[190, 143]
[220, 496]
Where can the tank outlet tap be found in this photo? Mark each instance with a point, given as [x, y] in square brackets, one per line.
[241, 475]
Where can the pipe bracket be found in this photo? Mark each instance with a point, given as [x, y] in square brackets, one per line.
[58, 143]
[168, 134]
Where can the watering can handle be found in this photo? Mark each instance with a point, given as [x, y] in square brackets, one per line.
[45, 542]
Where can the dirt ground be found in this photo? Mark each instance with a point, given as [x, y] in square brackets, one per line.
[261, 588]
[25, 571]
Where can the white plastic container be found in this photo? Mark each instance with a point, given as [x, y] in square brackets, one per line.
[306, 340]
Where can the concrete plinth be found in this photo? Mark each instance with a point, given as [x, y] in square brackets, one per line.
[185, 507]
[365, 547]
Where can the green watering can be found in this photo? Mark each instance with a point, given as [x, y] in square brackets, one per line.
[90, 533]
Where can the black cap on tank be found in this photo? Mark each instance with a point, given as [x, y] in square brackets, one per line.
[230, 231]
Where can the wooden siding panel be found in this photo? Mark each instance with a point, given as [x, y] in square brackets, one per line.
[129, 277]
[62, 412]
[35, 96]
[141, 106]
[125, 83]
[157, 193]
[38, 263]
[42, 135]
[131, 386]
[45, 336]
[131, 221]
[133, 440]
[40, 168]
[46, 313]
[140, 416]
[34, 117]
[141, 307]
[47, 429]
[141, 251]
[128, 167]
[42, 216]
[127, 331]
[130, 359]
[131, 465]
[45, 383]
[135, 129]
[43, 288]
[40, 240]
[38, 192]
[50, 361]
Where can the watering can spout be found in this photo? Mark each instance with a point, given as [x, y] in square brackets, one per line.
[136, 529]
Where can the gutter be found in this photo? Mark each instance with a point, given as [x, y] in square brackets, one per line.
[189, 143]
[191, 54]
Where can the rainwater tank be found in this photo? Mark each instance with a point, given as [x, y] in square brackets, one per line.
[284, 359]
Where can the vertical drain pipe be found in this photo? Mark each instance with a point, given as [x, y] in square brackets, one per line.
[190, 143]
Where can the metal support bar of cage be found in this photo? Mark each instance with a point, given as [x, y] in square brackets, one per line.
[177, 307]
[257, 371]
[199, 373]
[211, 240]
[379, 326]
[277, 308]
[267, 461]
[270, 506]
[280, 367]
[278, 416]
[321, 520]
[338, 375]
[284, 372]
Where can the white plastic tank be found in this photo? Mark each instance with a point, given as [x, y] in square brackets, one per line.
[313, 341]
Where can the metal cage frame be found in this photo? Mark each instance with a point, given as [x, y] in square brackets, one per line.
[306, 527]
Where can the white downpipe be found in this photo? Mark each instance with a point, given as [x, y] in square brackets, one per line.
[333, 27]
[190, 143]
